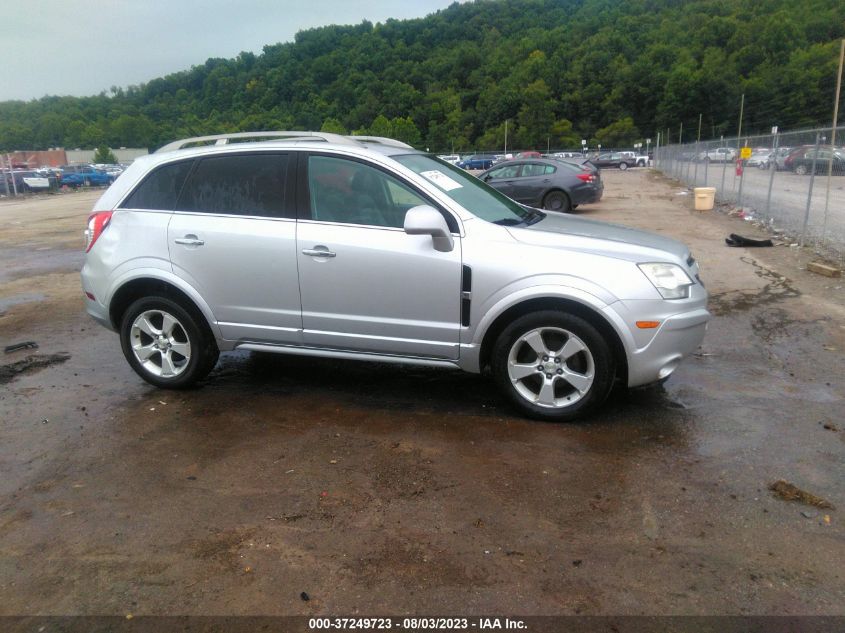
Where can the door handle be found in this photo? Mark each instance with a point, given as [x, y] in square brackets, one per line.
[189, 240]
[319, 251]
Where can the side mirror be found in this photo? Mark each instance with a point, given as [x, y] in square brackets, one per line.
[488, 178]
[426, 220]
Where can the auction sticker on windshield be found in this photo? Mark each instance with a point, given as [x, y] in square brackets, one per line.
[441, 180]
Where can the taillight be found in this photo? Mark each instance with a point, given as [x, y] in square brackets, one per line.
[97, 223]
[586, 177]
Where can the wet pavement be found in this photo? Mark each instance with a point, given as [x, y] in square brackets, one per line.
[385, 490]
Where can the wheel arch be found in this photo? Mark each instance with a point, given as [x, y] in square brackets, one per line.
[571, 306]
[140, 287]
[556, 189]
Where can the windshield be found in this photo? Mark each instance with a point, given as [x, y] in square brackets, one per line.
[468, 191]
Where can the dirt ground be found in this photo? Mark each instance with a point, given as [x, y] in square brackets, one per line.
[378, 490]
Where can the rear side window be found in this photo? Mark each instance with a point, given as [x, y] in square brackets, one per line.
[240, 184]
[161, 188]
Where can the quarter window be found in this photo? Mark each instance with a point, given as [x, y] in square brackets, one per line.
[353, 193]
[239, 184]
[161, 188]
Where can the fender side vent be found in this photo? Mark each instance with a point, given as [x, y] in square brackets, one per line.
[466, 294]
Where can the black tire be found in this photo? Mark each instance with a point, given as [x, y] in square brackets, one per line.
[623, 166]
[801, 170]
[594, 361]
[557, 201]
[190, 328]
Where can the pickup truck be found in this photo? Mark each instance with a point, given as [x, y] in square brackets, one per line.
[86, 177]
[718, 155]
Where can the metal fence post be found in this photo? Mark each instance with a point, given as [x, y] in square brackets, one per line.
[773, 167]
[724, 165]
[810, 191]
[741, 165]
[695, 158]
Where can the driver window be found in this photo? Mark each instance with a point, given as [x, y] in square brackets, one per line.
[353, 193]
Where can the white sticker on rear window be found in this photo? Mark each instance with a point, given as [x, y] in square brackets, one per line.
[441, 180]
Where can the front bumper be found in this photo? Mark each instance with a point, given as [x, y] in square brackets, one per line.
[655, 354]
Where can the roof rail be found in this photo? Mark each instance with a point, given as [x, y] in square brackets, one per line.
[242, 137]
[381, 140]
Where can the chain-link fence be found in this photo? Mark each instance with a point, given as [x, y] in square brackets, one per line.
[783, 184]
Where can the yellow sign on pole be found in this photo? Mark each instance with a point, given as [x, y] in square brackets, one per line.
[745, 153]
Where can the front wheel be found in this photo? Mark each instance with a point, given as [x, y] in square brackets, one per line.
[165, 344]
[801, 170]
[557, 201]
[553, 365]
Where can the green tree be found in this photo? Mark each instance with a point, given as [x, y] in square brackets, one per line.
[333, 126]
[104, 156]
[620, 133]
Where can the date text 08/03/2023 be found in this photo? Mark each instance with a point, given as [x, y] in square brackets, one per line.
[416, 624]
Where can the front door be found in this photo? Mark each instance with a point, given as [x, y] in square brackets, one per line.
[365, 284]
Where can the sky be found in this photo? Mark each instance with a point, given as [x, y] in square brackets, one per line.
[67, 47]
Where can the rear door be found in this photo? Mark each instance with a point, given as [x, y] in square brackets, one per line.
[233, 238]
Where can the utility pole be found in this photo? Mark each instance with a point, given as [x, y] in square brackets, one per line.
[833, 140]
[681, 133]
[506, 137]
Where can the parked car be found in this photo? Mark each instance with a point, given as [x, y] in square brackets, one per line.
[529, 154]
[86, 177]
[777, 158]
[568, 155]
[615, 159]
[477, 161]
[800, 160]
[545, 183]
[450, 158]
[717, 155]
[759, 158]
[364, 248]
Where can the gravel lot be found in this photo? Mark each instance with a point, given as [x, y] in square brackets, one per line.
[379, 490]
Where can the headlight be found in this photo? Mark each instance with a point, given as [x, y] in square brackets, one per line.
[670, 279]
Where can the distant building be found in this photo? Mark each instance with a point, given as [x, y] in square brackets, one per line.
[32, 159]
[123, 155]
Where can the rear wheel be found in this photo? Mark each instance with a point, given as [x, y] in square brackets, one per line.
[801, 170]
[165, 344]
[553, 365]
[557, 201]
[623, 166]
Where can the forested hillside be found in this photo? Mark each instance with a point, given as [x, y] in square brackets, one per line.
[556, 70]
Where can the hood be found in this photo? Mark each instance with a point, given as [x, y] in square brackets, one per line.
[563, 230]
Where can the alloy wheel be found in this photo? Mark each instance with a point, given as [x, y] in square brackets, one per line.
[551, 367]
[160, 343]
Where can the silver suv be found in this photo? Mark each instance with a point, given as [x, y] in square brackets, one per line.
[364, 248]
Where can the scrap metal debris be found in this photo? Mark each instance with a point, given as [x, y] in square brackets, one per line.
[19, 346]
[739, 240]
[790, 492]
